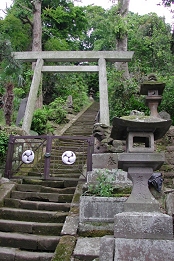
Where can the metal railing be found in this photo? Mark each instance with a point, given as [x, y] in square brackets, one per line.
[46, 159]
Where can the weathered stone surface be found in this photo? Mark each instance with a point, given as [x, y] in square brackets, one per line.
[140, 199]
[87, 249]
[100, 209]
[70, 225]
[116, 177]
[107, 245]
[64, 249]
[5, 190]
[152, 160]
[143, 250]
[21, 111]
[7, 254]
[170, 203]
[105, 161]
[67, 56]
[143, 225]
[138, 138]
[95, 228]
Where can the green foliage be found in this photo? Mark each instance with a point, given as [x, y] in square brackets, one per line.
[4, 138]
[167, 103]
[146, 37]
[65, 23]
[57, 111]
[123, 95]
[16, 32]
[103, 186]
[39, 121]
[63, 85]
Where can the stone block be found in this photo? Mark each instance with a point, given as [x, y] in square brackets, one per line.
[100, 209]
[70, 225]
[152, 160]
[87, 249]
[170, 204]
[107, 245]
[117, 177]
[143, 250]
[146, 225]
[105, 161]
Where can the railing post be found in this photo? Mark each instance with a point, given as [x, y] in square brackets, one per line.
[90, 152]
[47, 158]
[8, 165]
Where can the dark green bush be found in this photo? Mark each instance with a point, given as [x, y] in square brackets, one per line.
[57, 111]
[4, 138]
[39, 121]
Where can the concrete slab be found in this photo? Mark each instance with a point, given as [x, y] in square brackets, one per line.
[143, 250]
[87, 249]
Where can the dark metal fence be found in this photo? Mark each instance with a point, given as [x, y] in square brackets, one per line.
[41, 156]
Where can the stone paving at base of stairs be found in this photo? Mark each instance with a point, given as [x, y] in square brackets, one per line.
[87, 249]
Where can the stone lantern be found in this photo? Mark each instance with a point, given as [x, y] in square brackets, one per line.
[141, 229]
[153, 91]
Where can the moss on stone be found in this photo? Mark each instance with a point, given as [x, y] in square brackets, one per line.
[95, 233]
[64, 249]
[76, 198]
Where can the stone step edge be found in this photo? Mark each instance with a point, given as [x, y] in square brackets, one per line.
[8, 253]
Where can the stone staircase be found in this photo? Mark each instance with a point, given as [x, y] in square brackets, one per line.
[32, 217]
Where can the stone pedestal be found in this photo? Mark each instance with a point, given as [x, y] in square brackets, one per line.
[139, 236]
[141, 198]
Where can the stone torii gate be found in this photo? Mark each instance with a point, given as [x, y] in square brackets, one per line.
[70, 56]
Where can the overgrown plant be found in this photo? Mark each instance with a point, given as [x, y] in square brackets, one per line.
[4, 138]
[40, 122]
[103, 187]
[57, 111]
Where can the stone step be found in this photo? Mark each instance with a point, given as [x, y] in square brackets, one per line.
[63, 181]
[67, 182]
[15, 254]
[62, 175]
[46, 197]
[44, 189]
[68, 174]
[36, 205]
[52, 229]
[29, 242]
[32, 215]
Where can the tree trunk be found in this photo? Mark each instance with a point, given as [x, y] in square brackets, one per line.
[37, 42]
[121, 42]
[37, 26]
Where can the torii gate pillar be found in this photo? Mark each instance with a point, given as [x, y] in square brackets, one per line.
[103, 91]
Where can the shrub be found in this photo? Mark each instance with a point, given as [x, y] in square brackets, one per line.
[39, 121]
[57, 111]
[4, 138]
